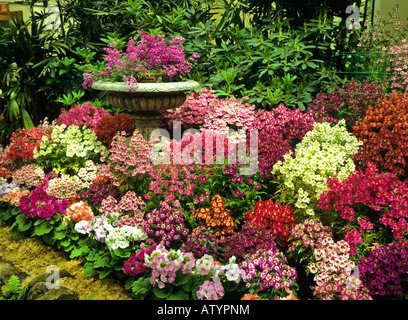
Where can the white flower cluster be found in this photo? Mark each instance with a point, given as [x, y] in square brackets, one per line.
[121, 237]
[231, 271]
[73, 140]
[103, 230]
[325, 151]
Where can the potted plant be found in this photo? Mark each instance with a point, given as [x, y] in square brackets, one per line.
[145, 77]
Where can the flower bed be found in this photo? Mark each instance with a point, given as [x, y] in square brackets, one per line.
[321, 204]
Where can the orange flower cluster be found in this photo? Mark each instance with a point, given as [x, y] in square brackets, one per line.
[218, 217]
[14, 197]
[390, 113]
[250, 296]
[279, 218]
[80, 211]
[384, 133]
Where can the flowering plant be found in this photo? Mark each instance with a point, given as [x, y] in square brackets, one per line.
[383, 131]
[135, 264]
[151, 53]
[173, 274]
[248, 240]
[80, 211]
[217, 218]
[108, 126]
[267, 274]
[29, 175]
[325, 151]
[278, 218]
[384, 271]
[13, 196]
[99, 189]
[279, 131]
[81, 115]
[349, 100]
[126, 160]
[332, 267]
[166, 224]
[306, 236]
[101, 229]
[68, 149]
[191, 113]
[385, 206]
[23, 143]
[38, 204]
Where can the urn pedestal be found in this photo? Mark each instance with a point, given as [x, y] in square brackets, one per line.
[146, 100]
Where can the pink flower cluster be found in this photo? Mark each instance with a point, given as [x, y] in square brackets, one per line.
[151, 53]
[381, 192]
[154, 53]
[191, 113]
[279, 131]
[331, 258]
[211, 290]
[130, 209]
[268, 270]
[398, 55]
[30, 175]
[349, 101]
[38, 204]
[86, 114]
[135, 264]
[228, 114]
[170, 181]
[126, 160]
[165, 263]
[310, 232]
[333, 267]
[385, 270]
[165, 223]
[204, 110]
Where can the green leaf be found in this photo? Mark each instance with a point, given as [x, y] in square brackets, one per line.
[190, 283]
[181, 278]
[89, 268]
[59, 235]
[178, 295]
[122, 253]
[66, 242]
[141, 286]
[78, 252]
[27, 122]
[162, 293]
[42, 228]
[5, 215]
[105, 273]
[15, 211]
[49, 238]
[104, 261]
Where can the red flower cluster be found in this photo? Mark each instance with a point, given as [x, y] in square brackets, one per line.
[383, 131]
[108, 126]
[218, 217]
[383, 193]
[5, 173]
[22, 144]
[279, 218]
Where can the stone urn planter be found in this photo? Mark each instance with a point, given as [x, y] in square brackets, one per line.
[146, 100]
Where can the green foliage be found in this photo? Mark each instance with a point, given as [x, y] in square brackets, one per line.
[14, 290]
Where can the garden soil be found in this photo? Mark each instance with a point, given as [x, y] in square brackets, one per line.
[32, 256]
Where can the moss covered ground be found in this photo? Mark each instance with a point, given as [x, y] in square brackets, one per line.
[32, 256]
